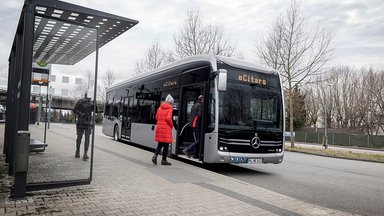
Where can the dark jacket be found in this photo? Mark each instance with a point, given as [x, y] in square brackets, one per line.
[196, 112]
[164, 123]
[83, 109]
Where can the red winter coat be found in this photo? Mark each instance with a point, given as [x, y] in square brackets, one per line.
[164, 123]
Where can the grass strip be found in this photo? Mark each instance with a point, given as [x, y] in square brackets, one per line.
[337, 153]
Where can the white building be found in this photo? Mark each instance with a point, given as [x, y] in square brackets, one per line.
[63, 86]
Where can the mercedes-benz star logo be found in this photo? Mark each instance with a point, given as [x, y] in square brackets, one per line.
[255, 142]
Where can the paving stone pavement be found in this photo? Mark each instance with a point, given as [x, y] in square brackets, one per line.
[125, 182]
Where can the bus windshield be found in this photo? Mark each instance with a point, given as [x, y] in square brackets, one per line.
[250, 107]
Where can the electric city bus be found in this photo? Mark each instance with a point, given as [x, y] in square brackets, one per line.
[242, 116]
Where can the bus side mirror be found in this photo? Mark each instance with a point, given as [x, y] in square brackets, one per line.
[222, 80]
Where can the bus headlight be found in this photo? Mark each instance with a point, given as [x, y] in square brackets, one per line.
[223, 148]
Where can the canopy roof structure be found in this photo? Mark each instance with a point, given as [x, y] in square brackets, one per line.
[65, 33]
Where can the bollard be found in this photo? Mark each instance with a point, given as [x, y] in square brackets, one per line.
[20, 164]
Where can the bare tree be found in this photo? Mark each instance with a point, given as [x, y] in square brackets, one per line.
[380, 99]
[331, 98]
[295, 51]
[86, 86]
[311, 106]
[196, 37]
[154, 58]
[346, 86]
[371, 104]
[108, 80]
[354, 101]
[379, 95]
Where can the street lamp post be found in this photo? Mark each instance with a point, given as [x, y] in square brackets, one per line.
[49, 105]
[325, 119]
[39, 107]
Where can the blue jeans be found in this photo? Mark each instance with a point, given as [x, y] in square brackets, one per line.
[195, 145]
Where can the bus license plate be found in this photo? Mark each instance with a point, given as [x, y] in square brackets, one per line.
[238, 160]
[255, 160]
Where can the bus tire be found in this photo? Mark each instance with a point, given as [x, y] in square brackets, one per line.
[116, 133]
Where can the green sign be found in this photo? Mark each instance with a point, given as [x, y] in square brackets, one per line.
[42, 64]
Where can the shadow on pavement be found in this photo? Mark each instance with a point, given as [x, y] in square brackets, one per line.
[234, 169]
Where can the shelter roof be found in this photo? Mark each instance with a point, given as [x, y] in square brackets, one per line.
[66, 33]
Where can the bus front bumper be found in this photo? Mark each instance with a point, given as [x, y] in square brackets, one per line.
[241, 158]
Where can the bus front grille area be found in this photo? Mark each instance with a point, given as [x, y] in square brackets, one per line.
[253, 145]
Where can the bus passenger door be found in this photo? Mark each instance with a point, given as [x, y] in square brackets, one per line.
[185, 133]
[126, 115]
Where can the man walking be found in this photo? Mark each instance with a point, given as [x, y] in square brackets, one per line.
[83, 109]
[195, 123]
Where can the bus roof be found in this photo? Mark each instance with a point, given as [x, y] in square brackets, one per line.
[211, 59]
[238, 63]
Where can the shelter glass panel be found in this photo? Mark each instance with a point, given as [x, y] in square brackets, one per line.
[61, 122]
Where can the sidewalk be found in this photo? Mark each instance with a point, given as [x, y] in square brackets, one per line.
[126, 182]
[337, 148]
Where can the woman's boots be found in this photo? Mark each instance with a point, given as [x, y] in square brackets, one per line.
[154, 159]
[165, 162]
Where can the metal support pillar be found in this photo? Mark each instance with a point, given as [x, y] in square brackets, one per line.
[23, 100]
[94, 103]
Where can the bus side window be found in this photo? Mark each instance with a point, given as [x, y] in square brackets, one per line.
[108, 106]
[107, 110]
[146, 112]
[115, 110]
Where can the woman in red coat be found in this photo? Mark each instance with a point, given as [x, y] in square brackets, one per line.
[164, 129]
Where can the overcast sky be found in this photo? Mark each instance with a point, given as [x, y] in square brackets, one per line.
[358, 26]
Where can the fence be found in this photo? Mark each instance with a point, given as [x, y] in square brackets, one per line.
[357, 140]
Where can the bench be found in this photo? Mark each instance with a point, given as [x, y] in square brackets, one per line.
[37, 146]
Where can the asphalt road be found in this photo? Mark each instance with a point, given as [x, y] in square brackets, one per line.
[348, 185]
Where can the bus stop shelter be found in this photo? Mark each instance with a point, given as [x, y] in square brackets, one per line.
[49, 32]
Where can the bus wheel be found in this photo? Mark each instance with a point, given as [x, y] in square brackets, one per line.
[116, 133]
